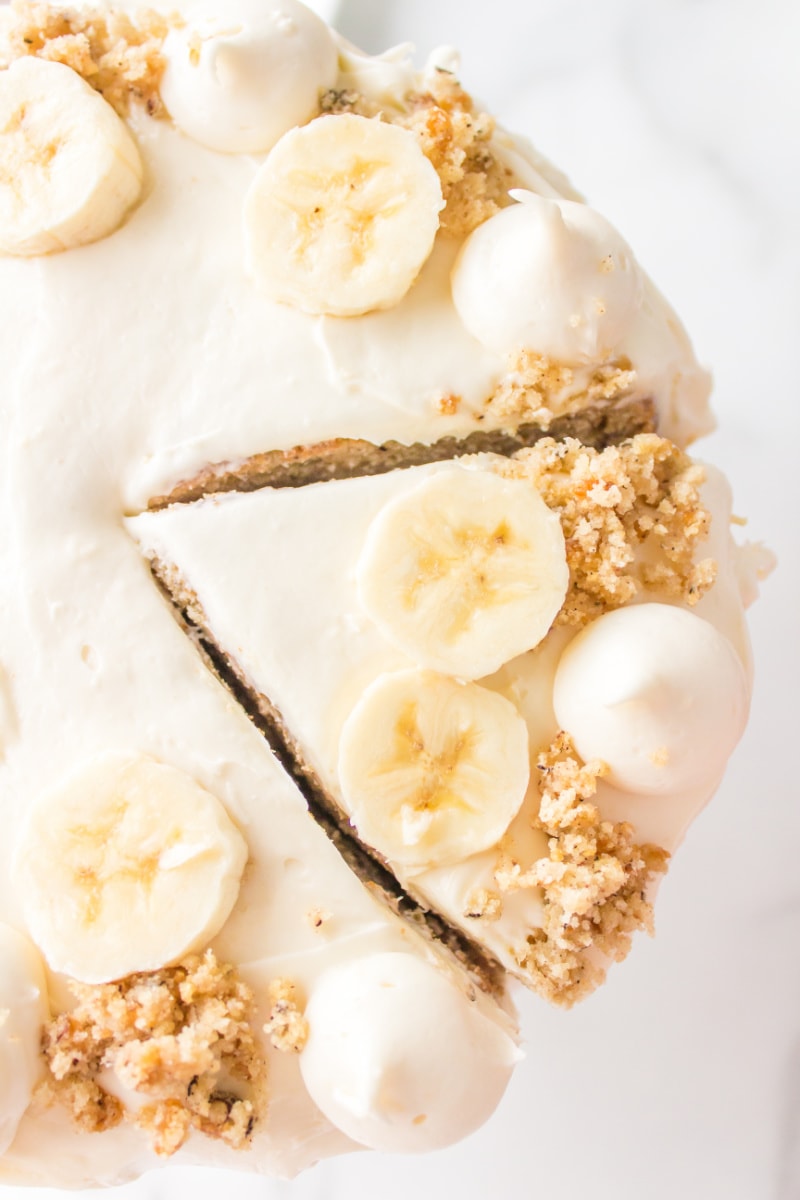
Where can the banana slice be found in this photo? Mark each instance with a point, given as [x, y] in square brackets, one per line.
[432, 770]
[69, 169]
[342, 216]
[464, 572]
[127, 867]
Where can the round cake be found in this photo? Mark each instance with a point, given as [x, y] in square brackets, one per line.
[369, 636]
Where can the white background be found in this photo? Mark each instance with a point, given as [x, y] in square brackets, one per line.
[680, 120]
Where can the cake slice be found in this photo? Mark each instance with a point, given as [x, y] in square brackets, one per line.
[513, 680]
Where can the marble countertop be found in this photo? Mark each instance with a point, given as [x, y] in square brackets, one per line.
[680, 120]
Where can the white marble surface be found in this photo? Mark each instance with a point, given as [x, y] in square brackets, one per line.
[680, 119]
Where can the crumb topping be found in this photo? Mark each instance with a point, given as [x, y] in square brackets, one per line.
[118, 55]
[538, 389]
[454, 137]
[483, 905]
[287, 1028]
[593, 883]
[632, 520]
[181, 1037]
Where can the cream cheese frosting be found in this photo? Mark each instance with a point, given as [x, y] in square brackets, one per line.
[315, 662]
[132, 363]
[23, 1011]
[361, 1073]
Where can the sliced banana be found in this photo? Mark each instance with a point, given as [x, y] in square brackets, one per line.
[69, 169]
[127, 867]
[464, 572]
[432, 770]
[342, 216]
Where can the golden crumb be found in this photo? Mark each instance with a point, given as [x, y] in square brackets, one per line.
[287, 1027]
[317, 917]
[632, 520]
[449, 404]
[484, 905]
[336, 101]
[457, 141]
[120, 56]
[539, 389]
[453, 136]
[173, 1036]
[593, 884]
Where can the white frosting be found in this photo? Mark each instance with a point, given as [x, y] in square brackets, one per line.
[238, 78]
[315, 661]
[657, 693]
[400, 1059]
[551, 276]
[131, 364]
[23, 1008]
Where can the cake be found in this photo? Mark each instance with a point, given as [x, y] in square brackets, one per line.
[370, 638]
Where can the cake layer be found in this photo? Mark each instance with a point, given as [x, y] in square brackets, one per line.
[306, 665]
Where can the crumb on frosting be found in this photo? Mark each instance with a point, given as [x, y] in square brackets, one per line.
[642, 495]
[120, 56]
[539, 389]
[287, 1028]
[593, 883]
[453, 136]
[318, 917]
[483, 905]
[172, 1036]
[456, 139]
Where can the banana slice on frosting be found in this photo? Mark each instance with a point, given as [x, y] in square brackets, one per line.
[464, 572]
[69, 169]
[342, 216]
[127, 867]
[432, 770]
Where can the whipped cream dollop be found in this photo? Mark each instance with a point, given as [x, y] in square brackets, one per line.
[657, 693]
[548, 275]
[397, 1056]
[23, 1011]
[239, 77]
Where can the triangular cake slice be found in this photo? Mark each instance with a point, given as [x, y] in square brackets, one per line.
[384, 632]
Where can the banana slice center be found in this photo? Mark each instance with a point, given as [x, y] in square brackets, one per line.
[357, 200]
[483, 566]
[108, 853]
[25, 159]
[423, 771]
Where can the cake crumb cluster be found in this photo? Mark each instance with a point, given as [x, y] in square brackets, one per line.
[537, 389]
[120, 56]
[593, 883]
[181, 1037]
[287, 1028]
[483, 905]
[632, 519]
[454, 138]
